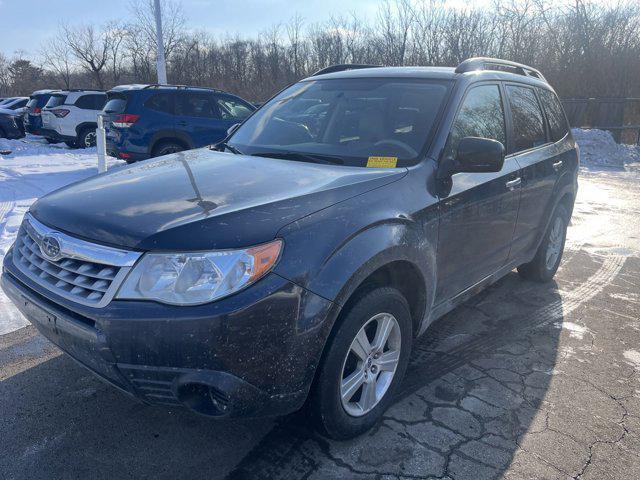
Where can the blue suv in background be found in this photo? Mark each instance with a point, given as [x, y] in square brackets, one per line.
[33, 114]
[144, 121]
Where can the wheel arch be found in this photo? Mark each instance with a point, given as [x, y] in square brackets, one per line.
[160, 139]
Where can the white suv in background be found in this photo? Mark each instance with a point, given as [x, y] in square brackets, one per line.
[71, 116]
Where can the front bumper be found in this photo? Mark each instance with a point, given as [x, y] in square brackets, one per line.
[253, 353]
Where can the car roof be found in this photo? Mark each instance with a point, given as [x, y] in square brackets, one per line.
[43, 92]
[432, 73]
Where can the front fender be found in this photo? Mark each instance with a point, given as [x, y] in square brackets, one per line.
[333, 251]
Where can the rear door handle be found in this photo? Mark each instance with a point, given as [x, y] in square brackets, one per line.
[511, 184]
[557, 166]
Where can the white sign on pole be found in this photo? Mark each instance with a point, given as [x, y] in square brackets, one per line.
[101, 144]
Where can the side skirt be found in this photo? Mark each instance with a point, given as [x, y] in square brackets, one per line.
[445, 307]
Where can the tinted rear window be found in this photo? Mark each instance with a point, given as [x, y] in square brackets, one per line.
[115, 104]
[528, 123]
[33, 102]
[161, 102]
[91, 102]
[555, 114]
[56, 101]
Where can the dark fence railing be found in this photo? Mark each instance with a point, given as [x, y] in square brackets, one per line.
[620, 116]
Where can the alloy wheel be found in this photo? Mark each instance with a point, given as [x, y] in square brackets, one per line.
[90, 139]
[554, 246]
[370, 364]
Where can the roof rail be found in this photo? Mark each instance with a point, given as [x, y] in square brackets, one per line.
[486, 63]
[178, 87]
[342, 67]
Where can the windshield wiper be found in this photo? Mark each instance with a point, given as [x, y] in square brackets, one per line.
[222, 145]
[302, 157]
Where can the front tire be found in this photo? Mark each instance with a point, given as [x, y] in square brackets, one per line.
[166, 148]
[363, 365]
[549, 254]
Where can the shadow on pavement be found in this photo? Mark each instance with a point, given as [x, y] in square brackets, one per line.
[474, 385]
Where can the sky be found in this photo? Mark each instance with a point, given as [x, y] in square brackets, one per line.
[26, 24]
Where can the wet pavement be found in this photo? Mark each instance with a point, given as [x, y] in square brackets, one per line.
[523, 381]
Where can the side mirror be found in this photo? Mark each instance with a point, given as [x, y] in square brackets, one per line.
[232, 129]
[476, 154]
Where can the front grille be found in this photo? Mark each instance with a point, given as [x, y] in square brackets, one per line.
[72, 275]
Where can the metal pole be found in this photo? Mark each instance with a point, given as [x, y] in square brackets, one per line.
[162, 68]
[101, 144]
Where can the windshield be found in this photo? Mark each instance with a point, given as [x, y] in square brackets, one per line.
[347, 119]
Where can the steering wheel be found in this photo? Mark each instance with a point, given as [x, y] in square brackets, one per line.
[398, 144]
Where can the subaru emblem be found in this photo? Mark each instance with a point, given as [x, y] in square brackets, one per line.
[50, 247]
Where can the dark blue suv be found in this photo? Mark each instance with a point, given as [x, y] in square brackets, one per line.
[32, 117]
[144, 121]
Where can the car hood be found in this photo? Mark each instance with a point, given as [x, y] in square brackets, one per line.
[201, 199]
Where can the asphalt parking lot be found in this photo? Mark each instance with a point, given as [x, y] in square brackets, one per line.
[523, 381]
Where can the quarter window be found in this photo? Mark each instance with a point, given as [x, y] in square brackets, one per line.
[555, 114]
[481, 115]
[528, 123]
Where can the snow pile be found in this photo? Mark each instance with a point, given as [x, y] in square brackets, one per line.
[33, 169]
[598, 148]
[32, 145]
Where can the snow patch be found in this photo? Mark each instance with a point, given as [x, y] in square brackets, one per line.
[598, 148]
[633, 357]
[33, 169]
[575, 330]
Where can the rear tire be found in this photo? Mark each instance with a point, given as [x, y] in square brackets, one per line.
[166, 148]
[343, 408]
[549, 254]
[51, 140]
[87, 138]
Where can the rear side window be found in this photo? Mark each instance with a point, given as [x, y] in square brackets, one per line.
[197, 105]
[161, 102]
[33, 102]
[91, 102]
[233, 109]
[555, 114]
[56, 101]
[481, 115]
[19, 104]
[528, 123]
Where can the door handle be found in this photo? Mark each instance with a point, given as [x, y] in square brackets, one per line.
[557, 165]
[181, 123]
[511, 184]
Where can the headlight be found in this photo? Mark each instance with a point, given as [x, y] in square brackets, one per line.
[197, 277]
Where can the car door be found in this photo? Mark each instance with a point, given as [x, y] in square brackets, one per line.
[198, 118]
[478, 216]
[540, 162]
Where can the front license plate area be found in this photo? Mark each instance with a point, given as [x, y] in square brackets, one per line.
[43, 318]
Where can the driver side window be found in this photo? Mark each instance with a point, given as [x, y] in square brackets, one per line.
[481, 115]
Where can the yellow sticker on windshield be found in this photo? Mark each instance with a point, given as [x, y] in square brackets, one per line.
[382, 162]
